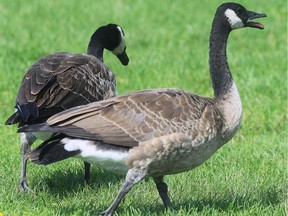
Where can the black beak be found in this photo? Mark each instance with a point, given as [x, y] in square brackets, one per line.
[123, 58]
[253, 15]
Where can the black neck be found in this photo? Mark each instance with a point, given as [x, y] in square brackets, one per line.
[219, 69]
[95, 49]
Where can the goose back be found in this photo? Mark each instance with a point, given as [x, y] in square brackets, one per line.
[60, 81]
[140, 116]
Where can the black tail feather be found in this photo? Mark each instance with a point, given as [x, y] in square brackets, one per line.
[13, 119]
[35, 128]
[50, 151]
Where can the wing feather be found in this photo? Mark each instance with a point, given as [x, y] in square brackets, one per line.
[62, 80]
[140, 116]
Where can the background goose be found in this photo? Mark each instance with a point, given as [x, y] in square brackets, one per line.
[63, 80]
[154, 132]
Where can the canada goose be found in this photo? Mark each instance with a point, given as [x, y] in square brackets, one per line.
[154, 132]
[63, 80]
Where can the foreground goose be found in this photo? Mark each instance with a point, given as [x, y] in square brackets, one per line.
[63, 80]
[153, 132]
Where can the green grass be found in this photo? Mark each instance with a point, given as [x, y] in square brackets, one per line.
[168, 47]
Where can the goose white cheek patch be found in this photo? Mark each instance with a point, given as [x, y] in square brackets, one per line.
[121, 47]
[234, 20]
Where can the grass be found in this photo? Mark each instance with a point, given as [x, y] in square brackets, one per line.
[168, 47]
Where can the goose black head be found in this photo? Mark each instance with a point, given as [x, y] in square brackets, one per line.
[239, 17]
[112, 38]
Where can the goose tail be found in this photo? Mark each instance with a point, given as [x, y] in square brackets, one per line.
[51, 151]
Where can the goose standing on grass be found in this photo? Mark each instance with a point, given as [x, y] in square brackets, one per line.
[153, 132]
[63, 80]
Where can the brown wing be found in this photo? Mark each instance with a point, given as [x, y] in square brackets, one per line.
[62, 80]
[140, 116]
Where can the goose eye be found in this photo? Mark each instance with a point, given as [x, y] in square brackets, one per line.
[240, 10]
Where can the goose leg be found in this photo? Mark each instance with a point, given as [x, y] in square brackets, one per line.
[133, 177]
[163, 191]
[27, 139]
[87, 172]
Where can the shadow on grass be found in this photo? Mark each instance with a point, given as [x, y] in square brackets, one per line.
[269, 197]
[62, 184]
[189, 206]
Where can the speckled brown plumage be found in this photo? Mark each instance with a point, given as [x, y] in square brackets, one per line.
[142, 116]
[60, 81]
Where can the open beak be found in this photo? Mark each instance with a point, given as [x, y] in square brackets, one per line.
[123, 58]
[253, 15]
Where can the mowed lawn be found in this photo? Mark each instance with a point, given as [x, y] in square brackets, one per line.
[167, 42]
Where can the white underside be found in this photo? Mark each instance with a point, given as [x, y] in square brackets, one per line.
[108, 159]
